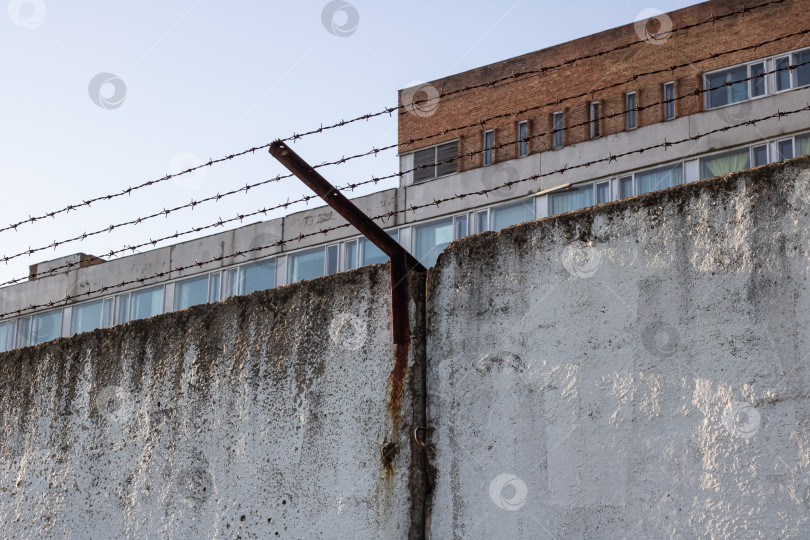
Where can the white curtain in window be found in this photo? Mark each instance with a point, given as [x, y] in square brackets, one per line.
[662, 178]
[46, 326]
[431, 239]
[725, 163]
[191, 292]
[512, 214]
[258, 276]
[803, 145]
[803, 71]
[306, 265]
[145, 304]
[86, 317]
[567, 201]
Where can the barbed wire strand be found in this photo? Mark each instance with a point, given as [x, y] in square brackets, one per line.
[411, 208]
[712, 19]
[306, 198]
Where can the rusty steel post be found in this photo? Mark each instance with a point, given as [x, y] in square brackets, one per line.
[402, 261]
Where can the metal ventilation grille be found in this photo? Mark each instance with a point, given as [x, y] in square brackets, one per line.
[447, 158]
[424, 163]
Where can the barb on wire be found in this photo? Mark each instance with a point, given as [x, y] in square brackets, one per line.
[388, 110]
[410, 208]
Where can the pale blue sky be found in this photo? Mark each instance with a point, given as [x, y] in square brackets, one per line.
[210, 78]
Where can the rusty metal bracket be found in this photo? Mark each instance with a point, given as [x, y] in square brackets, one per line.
[402, 262]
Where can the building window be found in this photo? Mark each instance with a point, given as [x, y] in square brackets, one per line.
[435, 161]
[488, 147]
[430, 239]
[661, 178]
[371, 254]
[91, 315]
[191, 292]
[669, 101]
[630, 111]
[782, 75]
[146, 303]
[570, 200]
[803, 145]
[507, 215]
[523, 138]
[39, 328]
[725, 163]
[787, 78]
[257, 276]
[760, 154]
[558, 129]
[602, 192]
[625, 187]
[784, 149]
[758, 83]
[308, 264]
[594, 120]
[7, 335]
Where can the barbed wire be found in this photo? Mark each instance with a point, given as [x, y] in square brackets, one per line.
[411, 208]
[712, 19]
[352, 186]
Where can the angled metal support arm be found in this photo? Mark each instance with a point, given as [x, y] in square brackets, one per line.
[402, 262]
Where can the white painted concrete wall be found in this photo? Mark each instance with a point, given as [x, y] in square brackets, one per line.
[259, 417]
[639, 370]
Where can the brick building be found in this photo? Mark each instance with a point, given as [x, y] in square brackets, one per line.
[682, 76]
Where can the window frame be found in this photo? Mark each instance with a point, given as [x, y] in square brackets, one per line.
[488, 153]
[435, 148]
[522, 140]
[555, 131]
[593, 120]
[669, 103]
[630, 112]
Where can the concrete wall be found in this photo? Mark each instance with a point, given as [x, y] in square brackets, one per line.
[639, 370]
[260, 417]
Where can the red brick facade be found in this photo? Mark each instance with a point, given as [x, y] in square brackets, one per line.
[682, 47]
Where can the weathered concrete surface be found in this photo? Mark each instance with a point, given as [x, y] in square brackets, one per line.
[259, 417]
[639, 370]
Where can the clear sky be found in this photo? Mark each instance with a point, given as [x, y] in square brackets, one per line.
[208, 78]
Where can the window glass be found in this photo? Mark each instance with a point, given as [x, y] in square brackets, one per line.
[213, 286]
[656, 179]
[11, 332]
[523, 139]
[461, 226]
[594, 120]
[371, 254]
[488, 143]
[760, 155]
[758, 84]
[602, 192]
[107, 312]
[331, 259]
[3, 337]
[46, 326]
[785, 149]
[625, 187]
[482, 221]
[511, 214]
[230, 283]
[726, 163]
[257, 276]
[782, 74]
[351, 255]
[306, 265]
[573, 199]
[803, 145]
[669, 99]
[431, 239]
[631, 111]
[86, 317]
[802, 71]
[558, 130]
[447, 158]
[122, 308]
[23, 332]
[724, 95]
[191, 292]
[145, 304]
